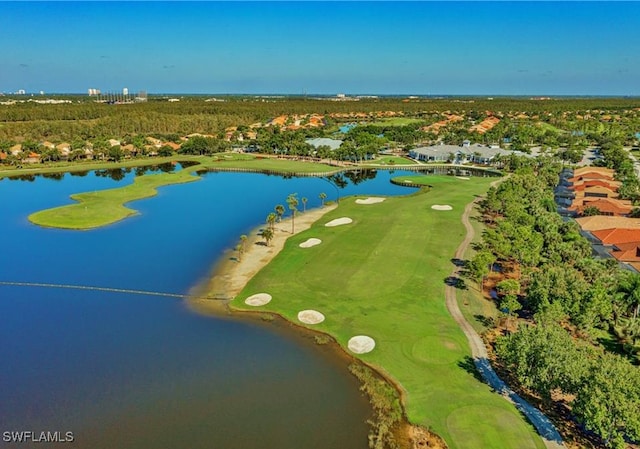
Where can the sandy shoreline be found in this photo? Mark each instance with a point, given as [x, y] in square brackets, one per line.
[230, 275]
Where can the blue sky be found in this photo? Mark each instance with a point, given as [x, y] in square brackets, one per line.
[455, 48]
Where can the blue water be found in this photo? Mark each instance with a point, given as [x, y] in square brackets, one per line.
[125, 371]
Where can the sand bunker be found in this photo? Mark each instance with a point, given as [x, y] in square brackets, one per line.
[463, 178]
[339, 221]
[361, 344]
[310, 317]
[441, 207]
[259, 299]
[370, 200]
[310, 242]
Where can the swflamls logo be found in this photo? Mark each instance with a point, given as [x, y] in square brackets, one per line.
[29, 436]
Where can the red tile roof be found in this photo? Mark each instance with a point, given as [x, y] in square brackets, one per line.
[596, 190]
[607, 206]
[582, 185]
[627, 252]
[577, 178]
[617, 236]
[601, 170]
[635, 265]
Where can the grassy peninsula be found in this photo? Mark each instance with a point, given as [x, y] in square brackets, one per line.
[104, 207]
[383, 276]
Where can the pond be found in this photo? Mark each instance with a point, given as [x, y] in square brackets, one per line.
[131, 371]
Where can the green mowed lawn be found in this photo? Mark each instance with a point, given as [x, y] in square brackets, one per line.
[391, 160]
[103, 207]
[383, 276]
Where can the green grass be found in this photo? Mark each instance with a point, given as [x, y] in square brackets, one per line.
[418, 180]
[104, 207]
[95, 209]
[477, 310]
[383, 276]
[391, 160]
[549, 127]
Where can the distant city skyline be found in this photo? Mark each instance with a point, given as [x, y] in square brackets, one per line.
[379, 48]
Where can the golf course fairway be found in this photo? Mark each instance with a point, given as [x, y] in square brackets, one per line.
[383, 276]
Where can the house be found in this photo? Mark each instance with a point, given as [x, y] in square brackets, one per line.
[32, 158]
[616, 236]
[479, 154]
[592, 173]
[485, 125]
[439, 153]
[627, 252]
[16, 149]
[129, 149]
[606, 206]
[599, 222]
[154, 142]
[582, 185]
[114, 142]
[64, 149]
[590, 169]
[596, 192]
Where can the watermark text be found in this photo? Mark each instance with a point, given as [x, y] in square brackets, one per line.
[30, 436]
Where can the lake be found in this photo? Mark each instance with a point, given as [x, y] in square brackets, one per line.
[132, 371]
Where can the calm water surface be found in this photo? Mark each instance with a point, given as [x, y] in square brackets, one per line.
[130, 371]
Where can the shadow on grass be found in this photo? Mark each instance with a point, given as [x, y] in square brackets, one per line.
[485, 321]
[469, 366]
[459, 262]
[455, 282]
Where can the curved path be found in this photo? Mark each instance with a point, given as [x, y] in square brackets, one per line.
[543, 425]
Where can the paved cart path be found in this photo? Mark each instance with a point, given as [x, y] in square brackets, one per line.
[543, 425]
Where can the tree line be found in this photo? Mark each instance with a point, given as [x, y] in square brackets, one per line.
[577, 302]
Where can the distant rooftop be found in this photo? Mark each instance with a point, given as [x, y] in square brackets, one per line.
[334, 144]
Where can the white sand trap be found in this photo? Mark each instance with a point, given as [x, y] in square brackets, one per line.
[408, 181]
[370, 200]
[339, 221]
[259, 299]
[361, 344]
[464, 178]
[310, 242]
[310, 317]
[441, 207]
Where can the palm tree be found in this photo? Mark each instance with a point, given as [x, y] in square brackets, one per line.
[304, 203]
[630, 289]
[271, 220]
[322, 197]
[267, 235]
[279, 211]
[243, 242]
[292, 201]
